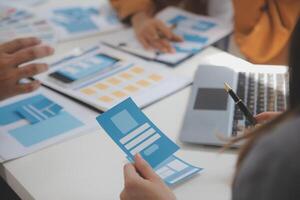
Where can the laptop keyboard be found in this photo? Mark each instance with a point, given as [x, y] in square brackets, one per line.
[260, 92]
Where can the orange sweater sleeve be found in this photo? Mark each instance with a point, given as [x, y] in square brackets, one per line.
[263, 28]
[126, 8]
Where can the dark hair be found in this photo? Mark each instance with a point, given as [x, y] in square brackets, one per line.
[294, 100]
[294, 63]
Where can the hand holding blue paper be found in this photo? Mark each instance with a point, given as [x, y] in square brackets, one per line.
[135, 134]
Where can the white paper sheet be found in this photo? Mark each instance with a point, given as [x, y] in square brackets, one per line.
[129, 77]
[17, 22]
[11, 147]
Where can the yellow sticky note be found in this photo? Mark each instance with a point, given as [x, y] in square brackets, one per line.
[131, 88]
[126, 75]
[101, 86]
[88, 91]
[143, 83]
[106, 99]
[137, 70]
[119, 94]
[114, 81]
[155, 77]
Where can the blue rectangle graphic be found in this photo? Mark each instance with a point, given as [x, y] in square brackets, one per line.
[9, 114]
[134, 133]
[35, 133]
[87, 67]
[39, 111]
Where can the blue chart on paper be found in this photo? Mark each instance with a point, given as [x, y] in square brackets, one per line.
[174, 170]
[46, 120]
[39, 111]
[194, 38]
[12, 15]
[194, 24]
[193, 43]
[87, 67]
[191, 31]
[134, 133]
[76, 19]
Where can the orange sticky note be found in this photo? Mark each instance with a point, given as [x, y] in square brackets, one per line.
[131, 88]
[155, 77]
[119, 94]
[143, 83]
[114, 81]
[88, 91]
[126, 75]
[101, 86]
[137, 70]
[106, 99]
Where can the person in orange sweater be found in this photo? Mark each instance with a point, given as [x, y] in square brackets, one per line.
[262, 27]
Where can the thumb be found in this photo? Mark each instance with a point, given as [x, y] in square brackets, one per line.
[266, 116]
[130, 174]
[144, 168]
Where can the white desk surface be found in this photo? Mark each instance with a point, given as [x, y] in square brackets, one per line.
[91, 166]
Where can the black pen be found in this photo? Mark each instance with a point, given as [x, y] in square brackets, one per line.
[238, 101]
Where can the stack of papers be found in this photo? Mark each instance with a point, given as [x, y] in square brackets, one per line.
[197, 31]
[19, 22]
[134, 133]
[34, 121]
[77, 21]
[103, 77]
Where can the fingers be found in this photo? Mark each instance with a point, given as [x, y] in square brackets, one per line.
[266, 116]
[168, 32]
[177, 38]
[32, 53]
[18, 44]
[130, 172]
[130, 175]
[166, 46]
[163, 45]
[144, 42]
[31, 70]
[156, 35]
[27, 87]
[144, 168]
[154, 41]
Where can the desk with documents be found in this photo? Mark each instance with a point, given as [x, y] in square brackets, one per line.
[83, 168]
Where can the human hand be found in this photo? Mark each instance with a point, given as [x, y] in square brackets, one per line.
[153, 33]
[141, 182]
[266, 116]
[12, 55]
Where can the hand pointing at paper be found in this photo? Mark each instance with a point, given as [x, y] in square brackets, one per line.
[141, 182]
[153, 33]
[16, 53]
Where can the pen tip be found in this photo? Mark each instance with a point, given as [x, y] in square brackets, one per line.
[227, 87]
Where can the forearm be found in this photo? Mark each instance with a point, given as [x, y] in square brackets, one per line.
[128, 8]
[139, 17]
